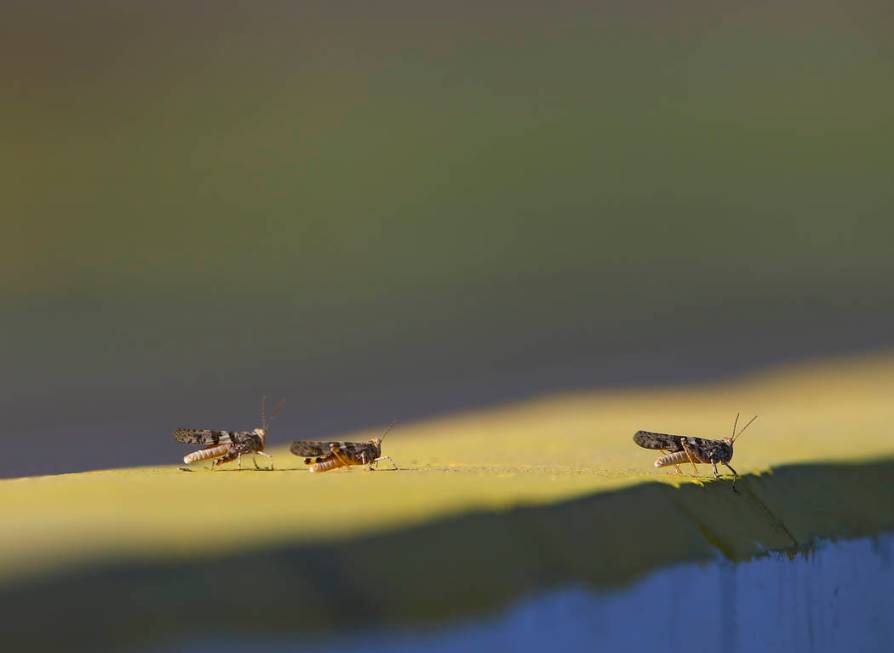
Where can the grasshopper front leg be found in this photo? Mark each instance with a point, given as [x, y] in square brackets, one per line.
[374, 464]
[266, 455]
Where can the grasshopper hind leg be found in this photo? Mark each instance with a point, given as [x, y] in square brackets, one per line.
[691, 458]
[339, 456]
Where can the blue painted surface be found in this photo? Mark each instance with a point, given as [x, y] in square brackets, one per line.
[838, 597]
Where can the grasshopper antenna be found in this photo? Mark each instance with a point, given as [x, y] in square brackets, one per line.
[385, 432]
[744, 427]
[277, 409]
[735, 423]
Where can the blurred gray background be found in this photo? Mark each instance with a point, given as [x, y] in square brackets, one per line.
[401, 209]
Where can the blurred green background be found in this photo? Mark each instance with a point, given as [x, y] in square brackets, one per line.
[399, 209]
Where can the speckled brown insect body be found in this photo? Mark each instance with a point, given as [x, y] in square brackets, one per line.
[326, 456]
[680, 449]
[223, 446]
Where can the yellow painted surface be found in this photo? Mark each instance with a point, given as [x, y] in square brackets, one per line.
[533, 452]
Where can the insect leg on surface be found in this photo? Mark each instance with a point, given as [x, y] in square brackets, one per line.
[690, 456]
[373, 466]
[267, 456]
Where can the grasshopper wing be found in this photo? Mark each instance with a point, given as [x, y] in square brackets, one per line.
[311, 448]
[649, 440]
[314, 450]
[203, 436]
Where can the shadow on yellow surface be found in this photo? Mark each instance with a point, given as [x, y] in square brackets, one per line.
[451, 567]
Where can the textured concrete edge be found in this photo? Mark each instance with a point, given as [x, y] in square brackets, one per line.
[451, 568]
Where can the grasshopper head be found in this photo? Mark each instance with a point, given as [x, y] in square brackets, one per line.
[261, 432]
[377, 442]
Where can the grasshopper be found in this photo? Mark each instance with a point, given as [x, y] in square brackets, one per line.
[323, 456]
[679, 449]
[224, 446]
